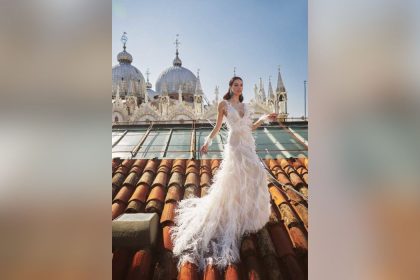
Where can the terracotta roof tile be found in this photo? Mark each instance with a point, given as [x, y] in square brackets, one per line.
[179, 166]
[120, 263]
[151, 166]
[168, 213]
[131, 179]
[215, 164]
[160, 179]
[211, 273]
[268, 254]
[191, 191]
[155, 200]
[140, 265]
[147, 178]
[140, 193]
[293, 224]
[233, 272]
[278, 251]
[165, 267]
[124, 194]
[204, 191]
[115, 163]
[117, 209]
[205, 166]
[188, 271]
[174, 193]
[125, 166]
[165, 165]
[167, 242]
[192, 179]
[205, 179]
[177, 179]
[135, 206]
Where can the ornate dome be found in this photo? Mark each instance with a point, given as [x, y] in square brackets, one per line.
[176, 76]
[172, 78]
[126, 76]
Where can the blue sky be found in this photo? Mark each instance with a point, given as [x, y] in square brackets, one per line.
[255, 36]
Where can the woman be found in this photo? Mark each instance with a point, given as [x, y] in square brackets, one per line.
[208, 230]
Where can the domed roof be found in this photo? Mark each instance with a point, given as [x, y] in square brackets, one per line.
[175, 76]
[125, 75]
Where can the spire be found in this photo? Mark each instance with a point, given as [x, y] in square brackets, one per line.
[177, 60]
[148, 84]
[280, 85]
[124, 57]
[262, 91]
[234, 71]
[216, 92]
[198, 89]
[256, 93]
[270, 89]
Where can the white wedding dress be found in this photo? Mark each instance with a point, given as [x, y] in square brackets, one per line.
[208, 230]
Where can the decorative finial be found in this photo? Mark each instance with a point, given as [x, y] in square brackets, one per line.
[124, 39]
[177, 43]
[198, 73]
[234, 71]
[147, 74]
[278, 67]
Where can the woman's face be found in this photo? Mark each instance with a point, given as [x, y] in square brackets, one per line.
[237, 87]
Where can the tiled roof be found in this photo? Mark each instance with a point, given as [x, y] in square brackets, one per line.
[277, 251]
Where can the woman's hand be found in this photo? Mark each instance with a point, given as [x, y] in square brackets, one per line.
[204, 149]
[272, 117]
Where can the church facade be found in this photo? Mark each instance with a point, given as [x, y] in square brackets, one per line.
[178, 95]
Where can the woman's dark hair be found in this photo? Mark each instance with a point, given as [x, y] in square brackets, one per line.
[227, 96]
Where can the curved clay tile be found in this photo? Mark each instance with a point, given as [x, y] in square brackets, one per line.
[174, 194]
[125, 166]
[168, 213]
[157, 193]
[165, 267]
[135, 206]
[120, 260]
[124, 194]
[179, 166]
[211, 273]
[140, 193]
[117, 209]
[233, 272]
[188, 271]
[167, 242]
[191, 191]
[205, 180]
[192, 180]
[215, 164]
[268, 253]
[151, 166]
[141, 265]
[176, 179]
[205, 166]
[146, 178]
[204, 190]
[160, 180]
[155, 200]
[131, 179]
[165, 165]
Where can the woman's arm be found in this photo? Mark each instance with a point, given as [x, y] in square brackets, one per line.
[208, 140]
[263, 119]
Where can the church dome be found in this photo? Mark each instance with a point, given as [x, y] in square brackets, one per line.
[176, 76]
[126, 76]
